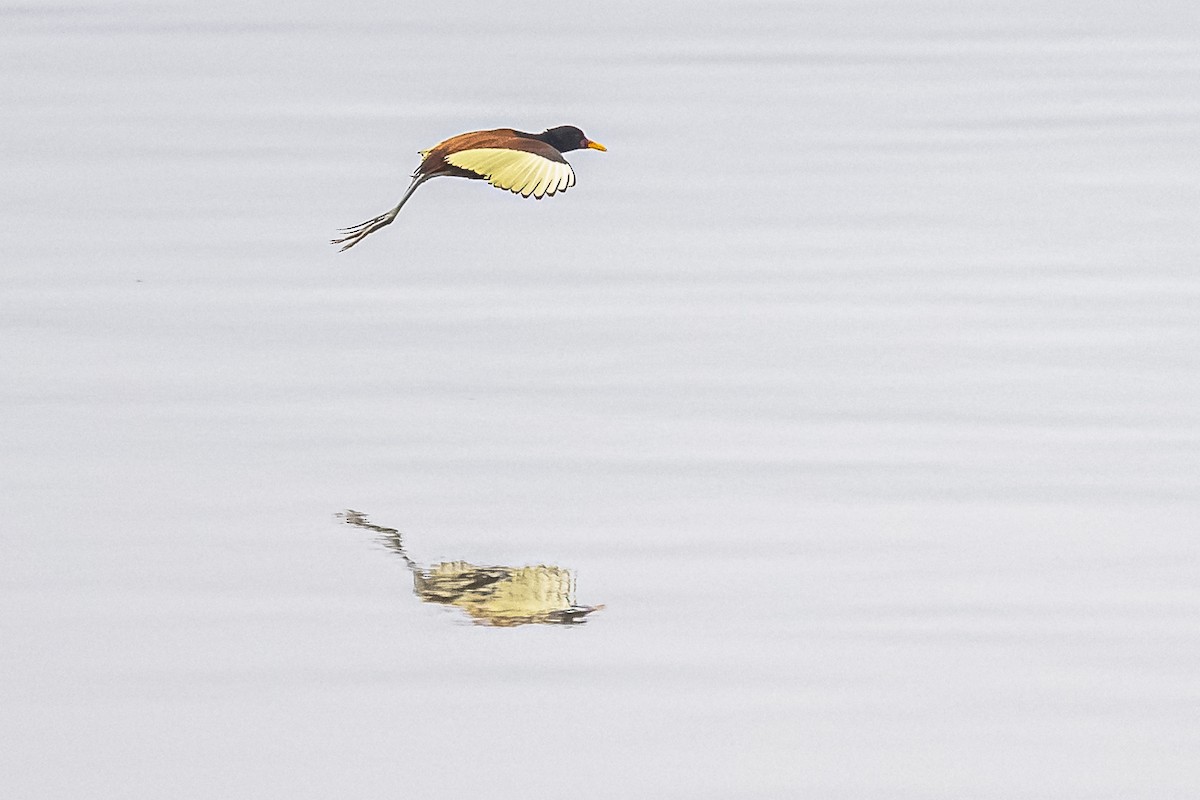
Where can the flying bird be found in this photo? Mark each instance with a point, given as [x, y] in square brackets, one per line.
[528, 164]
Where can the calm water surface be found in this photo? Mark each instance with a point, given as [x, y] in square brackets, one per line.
[857, 382]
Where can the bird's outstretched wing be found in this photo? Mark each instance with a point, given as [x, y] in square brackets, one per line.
[518, 171]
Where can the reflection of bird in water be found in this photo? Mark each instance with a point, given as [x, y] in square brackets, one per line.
[499, 596]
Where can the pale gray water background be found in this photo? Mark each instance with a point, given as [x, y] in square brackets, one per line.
[859, 379]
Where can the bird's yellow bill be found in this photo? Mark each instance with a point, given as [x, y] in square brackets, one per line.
[596, 146]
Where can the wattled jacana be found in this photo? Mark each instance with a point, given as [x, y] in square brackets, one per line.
[528, 164]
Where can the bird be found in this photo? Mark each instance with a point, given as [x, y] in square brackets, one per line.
[528, 164]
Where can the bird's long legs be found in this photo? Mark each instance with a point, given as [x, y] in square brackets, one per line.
[355, 234]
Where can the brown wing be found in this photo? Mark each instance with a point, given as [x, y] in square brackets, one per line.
[445, 157]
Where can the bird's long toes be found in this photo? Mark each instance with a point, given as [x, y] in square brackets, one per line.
[364, 225]
[354, 237]
[350, 241]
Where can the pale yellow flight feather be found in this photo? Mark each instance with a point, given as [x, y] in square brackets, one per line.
[518, 171]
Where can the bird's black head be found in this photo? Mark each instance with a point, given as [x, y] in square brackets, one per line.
[565, 138]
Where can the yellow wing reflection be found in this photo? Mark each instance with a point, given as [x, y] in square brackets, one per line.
[497, 596]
